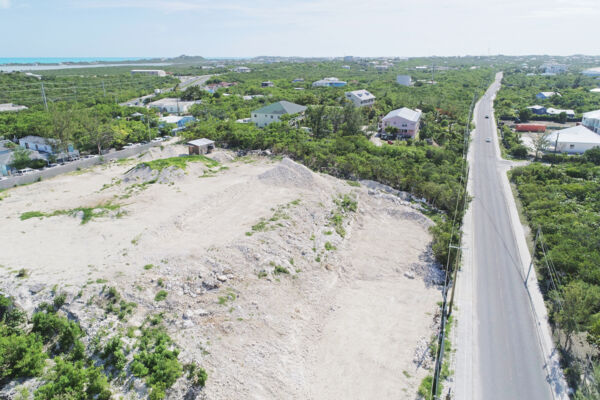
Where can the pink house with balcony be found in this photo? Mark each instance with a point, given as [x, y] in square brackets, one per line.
[405, 120]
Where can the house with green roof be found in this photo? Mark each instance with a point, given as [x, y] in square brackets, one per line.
[273, 112]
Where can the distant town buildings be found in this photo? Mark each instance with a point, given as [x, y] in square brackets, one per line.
[361, 98]
[554, 68]
[546, 95]
[267, 84]
[404, 80]
[155, 72]
[595, 90]
[592, 72]
[591, 120]
[172, 105]
[298, 80]
[273, 112]
[10, 107]
[329, 82]
[242, 70]
[404, 120]
[345, 66]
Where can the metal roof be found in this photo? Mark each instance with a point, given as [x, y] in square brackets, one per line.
[201, 142]
[592, 114]
[575, 134]
[361, 94]
[281, 107]
[406, 113]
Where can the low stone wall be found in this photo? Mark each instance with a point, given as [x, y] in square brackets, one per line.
[73, 166]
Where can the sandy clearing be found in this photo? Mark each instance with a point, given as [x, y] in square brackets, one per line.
[344, 323]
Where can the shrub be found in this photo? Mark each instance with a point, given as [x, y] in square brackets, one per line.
[196, 375]
[59, 301]
[155, 362]
[280, 270]
[161, 295]
[21, 355]
[74, 382]
[49, 325]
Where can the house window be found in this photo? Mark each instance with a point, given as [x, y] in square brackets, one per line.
[254, 115]
[271, 117]
[571, 146]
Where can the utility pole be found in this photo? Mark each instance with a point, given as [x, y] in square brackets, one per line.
[44, 97]
[537, 235]
[556, 144]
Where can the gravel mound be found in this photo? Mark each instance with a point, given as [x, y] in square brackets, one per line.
[289, 173]
[144, 174]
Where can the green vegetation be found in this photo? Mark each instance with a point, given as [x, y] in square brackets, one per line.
[229, 296]
[344, 205]
[157, 361]
[148, 266]
[87, 213]
[329, 246]
[564, 202]
[116, 305]
[195, 374]
[426, 386]
[278, 213]
[178, 162]
[75, 381]
[161, 295]
[280, 270]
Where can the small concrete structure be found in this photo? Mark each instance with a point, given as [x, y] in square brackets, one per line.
[200, 146]
[266, 84]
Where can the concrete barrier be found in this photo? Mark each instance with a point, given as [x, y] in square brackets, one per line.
[74, 165]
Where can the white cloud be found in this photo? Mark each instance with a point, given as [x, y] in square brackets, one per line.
[4, 3]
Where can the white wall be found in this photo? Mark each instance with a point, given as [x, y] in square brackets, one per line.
[262, 120]
[578, 148]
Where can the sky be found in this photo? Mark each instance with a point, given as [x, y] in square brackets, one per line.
[246, 28]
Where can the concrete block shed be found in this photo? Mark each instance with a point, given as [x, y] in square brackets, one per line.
[200, 146]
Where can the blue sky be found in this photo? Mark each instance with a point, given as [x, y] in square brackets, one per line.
[242, 28]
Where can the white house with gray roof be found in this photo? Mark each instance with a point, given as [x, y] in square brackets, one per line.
[574, 140]
[405, 120]
[361, 98]
[273, 112]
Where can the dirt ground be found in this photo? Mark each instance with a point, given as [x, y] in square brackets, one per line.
[349, 319]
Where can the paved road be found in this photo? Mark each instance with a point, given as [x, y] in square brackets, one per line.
[508, 360]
